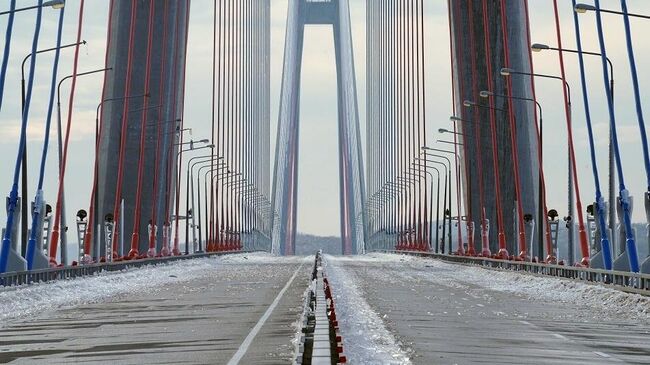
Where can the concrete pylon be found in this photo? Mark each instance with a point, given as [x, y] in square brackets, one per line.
[170, 29]
[284, 198]
[471, 76]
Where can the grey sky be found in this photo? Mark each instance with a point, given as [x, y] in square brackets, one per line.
[318, 189]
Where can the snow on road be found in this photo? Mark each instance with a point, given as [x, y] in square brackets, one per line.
[596, 301]
[17, 302]
[365, 338]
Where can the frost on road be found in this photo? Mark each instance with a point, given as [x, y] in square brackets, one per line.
[406, 309]
[18, 302]
[365, 339]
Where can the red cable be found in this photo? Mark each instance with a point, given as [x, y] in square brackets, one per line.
[178, 192]
[57, 216]
[582, 233]
[459, 57]
[135, 237]
[88, 237]
[503, 251]
[175, 162]
[125, 111]
[550, 258]
[523, 253]
[485, 245]
[161, 93]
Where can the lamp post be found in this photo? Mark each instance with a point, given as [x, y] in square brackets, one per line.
[54, 4]
[538, 47]
[485, 235]
[64, 236]
[502, 253]
[175, 250]
[523, 252]
[444, 204]
[447, 203]
[583, 8]
[94, 201]
[542, 207]
[190, 180]
[424, 169]
[24, 205]
[572, 170]
[208, 224]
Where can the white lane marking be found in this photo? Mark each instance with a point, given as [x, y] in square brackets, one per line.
[526, 323]
[607, 356]
[243, 348]
[560, 336]
[480, 305]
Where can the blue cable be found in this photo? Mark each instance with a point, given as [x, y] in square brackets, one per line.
[5, 56]
[600, 201]
[36, 213]
[13, 195]
[623, 193]
[637, 94]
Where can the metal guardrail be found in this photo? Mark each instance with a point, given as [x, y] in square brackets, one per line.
[621, 280]
[71, 272]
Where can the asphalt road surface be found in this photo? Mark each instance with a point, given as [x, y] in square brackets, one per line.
[446, 314]
[238, 313]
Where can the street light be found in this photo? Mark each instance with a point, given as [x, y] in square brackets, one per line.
[54, 4]
[572, 169]
[538, 47]
[64, 237]
[24, 201]
[542, 183]
[583, 8]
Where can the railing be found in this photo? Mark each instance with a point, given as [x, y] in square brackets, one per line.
[71, 272]
[621, 280]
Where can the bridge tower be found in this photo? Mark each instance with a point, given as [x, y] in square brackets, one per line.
[478, 56]
[163, 109]
[300, 14]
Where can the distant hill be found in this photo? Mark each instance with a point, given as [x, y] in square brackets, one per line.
[307, 244]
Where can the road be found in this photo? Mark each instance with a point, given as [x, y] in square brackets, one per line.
[392, 309]
[438, 313]
[205, 320]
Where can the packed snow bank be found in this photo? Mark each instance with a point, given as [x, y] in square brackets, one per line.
[16, 302]
[596, 299]
[365, 338]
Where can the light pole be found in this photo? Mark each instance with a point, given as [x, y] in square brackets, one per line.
[538, 47]
[583, 8]
[572, 170]
[543, 225]
[424, 169]
[54, 4]
[625, 203]
[190, 180]
[502, 253]
[444, 204]
[94, 201]
[485, 235]
[175, 250]
[24, 201]
[523, 252]
[64, 237]
[447, 203]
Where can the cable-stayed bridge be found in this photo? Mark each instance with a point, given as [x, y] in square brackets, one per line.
[185, 249]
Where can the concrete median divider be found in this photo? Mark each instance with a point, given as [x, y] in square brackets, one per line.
[321, 341]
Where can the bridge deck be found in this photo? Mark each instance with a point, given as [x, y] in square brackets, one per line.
[204, 321]
[445, 314]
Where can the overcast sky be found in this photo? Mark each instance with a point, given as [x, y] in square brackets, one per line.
[318, 205]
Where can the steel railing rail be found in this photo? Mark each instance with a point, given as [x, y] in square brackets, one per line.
[70, 272]
[621, 280]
